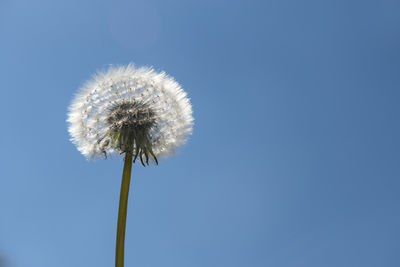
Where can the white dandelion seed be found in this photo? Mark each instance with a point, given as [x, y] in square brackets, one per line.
[135, 111]
[128, 106]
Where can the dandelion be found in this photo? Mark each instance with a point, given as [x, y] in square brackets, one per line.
[137, 112]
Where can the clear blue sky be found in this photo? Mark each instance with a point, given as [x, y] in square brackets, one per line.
[295, 156]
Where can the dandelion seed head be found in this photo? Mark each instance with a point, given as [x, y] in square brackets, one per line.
[128, 108]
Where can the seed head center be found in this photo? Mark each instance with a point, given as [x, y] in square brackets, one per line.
[131, 118]
[129, 129]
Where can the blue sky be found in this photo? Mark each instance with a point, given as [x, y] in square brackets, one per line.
[294, 159]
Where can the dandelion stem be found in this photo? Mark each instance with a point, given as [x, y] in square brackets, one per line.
[123, 204]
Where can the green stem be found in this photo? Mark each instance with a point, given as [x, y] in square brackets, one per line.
[123, 204]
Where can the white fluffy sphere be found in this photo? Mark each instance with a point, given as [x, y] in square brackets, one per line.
[164, 109]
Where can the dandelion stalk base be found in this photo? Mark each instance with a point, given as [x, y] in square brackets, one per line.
[122, 210]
